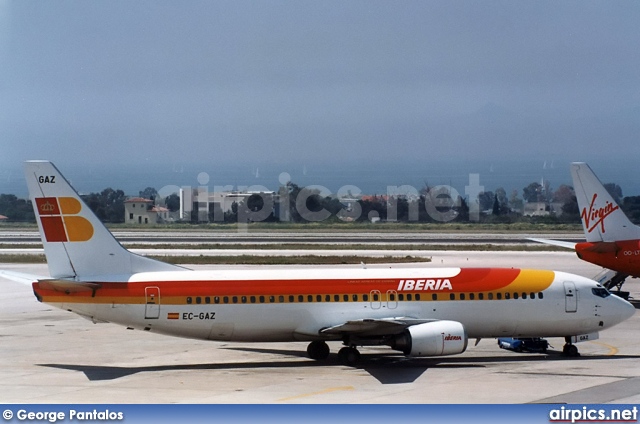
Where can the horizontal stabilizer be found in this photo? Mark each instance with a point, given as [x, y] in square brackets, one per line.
[565, 244]
[20, 277]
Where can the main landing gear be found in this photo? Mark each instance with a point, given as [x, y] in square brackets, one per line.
[319, 350]
[569, 349]
[349, 356]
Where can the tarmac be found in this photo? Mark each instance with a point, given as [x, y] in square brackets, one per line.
[51, 356]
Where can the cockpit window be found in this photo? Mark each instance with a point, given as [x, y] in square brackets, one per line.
[600, 292]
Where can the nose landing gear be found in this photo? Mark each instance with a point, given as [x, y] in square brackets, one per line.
[569, 349]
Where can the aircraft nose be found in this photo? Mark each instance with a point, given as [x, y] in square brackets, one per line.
[624, 309]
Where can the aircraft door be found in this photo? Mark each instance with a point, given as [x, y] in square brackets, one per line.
[152, 304]
[392, 299]
[570, 297]
[376, 302]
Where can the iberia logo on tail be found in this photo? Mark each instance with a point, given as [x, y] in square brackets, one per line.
[60, 220]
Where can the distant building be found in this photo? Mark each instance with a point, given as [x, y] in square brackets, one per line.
[138, 210]
[536, 209]
[204, 204]
[542, 209]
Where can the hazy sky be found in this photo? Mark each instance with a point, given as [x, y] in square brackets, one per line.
[282, 81]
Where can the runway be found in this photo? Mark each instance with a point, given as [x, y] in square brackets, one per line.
[244, 236]
[51, 356]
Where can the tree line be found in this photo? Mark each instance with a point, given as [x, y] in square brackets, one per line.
[428, 206]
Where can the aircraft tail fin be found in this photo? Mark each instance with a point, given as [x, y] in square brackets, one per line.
[77, 245]
[602, 218]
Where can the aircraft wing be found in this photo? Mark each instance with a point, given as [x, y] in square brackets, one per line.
[374, 327]
[565, 244]
[20, 277]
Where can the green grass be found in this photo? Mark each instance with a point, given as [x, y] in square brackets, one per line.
[285, 260]
[246, 259]
[517, 247]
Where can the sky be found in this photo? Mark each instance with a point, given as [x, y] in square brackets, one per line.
[262, 83]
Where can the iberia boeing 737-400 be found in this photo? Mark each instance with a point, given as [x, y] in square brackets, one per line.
[420, 311]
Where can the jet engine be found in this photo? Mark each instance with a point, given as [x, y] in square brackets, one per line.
[438, 338]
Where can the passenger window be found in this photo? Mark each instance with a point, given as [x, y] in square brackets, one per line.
[365, 297]
[515, 295]
[318, 298]
[532, 295]
[225, 299]
[310, 298]
[481, 296]
[507, 296]
[417, 296]
[272, 299]
[452, 296]
[261, 299]
[434, 296]
[327, 298]
[355, 297]
[540, 295]
[281, 299]
[234, 299]
[401, 296]
[207, 300]
[376, 297]
[300, 298]
[198, 300]
[392, 297]
[345, 297]
[291, 299]
[244, 299]
[409, 296]
[524, 295]
[462, 296]
[490, 296]
[216, 299]
[189, 301]
[336, 298]
[252, 299]
[472, 296]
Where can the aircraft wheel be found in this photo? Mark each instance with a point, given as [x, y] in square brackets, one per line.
[318, 350]
[570, 350]
[349, 356]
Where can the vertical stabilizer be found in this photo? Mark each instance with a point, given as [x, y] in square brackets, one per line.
[76, 243]
[602, 218]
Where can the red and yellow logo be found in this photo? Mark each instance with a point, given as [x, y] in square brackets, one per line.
[59, 219]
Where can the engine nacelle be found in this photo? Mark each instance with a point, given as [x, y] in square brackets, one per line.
[438, 338]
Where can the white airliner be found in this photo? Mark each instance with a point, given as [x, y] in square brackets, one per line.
[419, 311]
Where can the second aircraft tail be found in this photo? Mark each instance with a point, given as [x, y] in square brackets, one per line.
[602, 218]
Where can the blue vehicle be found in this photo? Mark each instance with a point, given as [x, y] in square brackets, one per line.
[524, 345]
